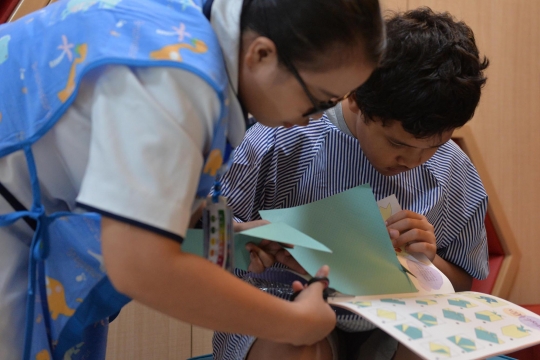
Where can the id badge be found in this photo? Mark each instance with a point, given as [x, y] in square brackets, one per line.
[218, 232]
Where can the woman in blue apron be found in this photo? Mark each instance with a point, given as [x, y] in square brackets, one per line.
[115, 116]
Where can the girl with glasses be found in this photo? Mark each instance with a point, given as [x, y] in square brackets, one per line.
[114, 117]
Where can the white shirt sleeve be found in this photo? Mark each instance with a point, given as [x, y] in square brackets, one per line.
[150, 128]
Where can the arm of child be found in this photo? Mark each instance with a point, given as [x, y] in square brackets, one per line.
[417, 235]
[460, 279]
[154, 271]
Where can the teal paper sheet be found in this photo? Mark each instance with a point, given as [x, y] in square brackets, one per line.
[281, 232]
[193, 242]
[349, 224]
[363, 261]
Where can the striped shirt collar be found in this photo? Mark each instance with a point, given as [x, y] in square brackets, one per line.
[335, 115]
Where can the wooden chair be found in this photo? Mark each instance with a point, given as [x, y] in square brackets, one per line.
[504, 254]
[6, 9]
[11, 10]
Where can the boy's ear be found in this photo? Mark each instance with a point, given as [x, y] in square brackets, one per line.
[353, 106]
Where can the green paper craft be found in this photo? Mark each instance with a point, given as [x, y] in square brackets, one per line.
[351, 238]
[193, 242]
[363, 261]
[281, 232]
[276, 231]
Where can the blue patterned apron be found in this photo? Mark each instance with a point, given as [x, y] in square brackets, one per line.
[67, 318]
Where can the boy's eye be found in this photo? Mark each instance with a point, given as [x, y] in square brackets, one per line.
[395, 144]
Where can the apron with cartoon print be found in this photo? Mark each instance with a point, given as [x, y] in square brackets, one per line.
[70, 297]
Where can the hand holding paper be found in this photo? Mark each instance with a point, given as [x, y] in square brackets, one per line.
[416, 234]
[267, 253]
[241, 226]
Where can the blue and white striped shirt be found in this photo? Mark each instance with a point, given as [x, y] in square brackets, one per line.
[277, 168]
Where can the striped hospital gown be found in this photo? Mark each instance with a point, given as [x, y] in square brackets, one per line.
[277, 168]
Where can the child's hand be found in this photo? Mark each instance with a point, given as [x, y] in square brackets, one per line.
[320, 318]
[241, 226]
[265, 254]
[412, 230]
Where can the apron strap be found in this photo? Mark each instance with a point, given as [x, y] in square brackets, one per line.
[207, 8]
[17, 206]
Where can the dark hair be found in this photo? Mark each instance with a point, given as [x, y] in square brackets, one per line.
[430, 76]
[303, 29]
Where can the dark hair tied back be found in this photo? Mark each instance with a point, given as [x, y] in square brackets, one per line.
[303, 30]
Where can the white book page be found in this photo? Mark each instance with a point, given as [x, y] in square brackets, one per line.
[465, 325]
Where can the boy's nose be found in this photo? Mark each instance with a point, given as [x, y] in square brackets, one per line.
[316, 116]
[410, 161]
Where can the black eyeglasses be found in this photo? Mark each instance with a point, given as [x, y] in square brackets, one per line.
[318, 106]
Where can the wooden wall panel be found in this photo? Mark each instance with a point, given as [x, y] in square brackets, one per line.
[201, 341]
[506, 126]
[27, 6]
[394, 5]
[140, 333]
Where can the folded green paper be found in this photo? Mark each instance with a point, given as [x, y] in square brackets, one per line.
[344, 231]
[363, 260]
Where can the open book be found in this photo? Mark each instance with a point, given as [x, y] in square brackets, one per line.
[437, 323]
[464, 325]
[404, 295]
